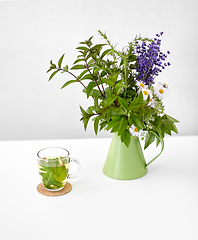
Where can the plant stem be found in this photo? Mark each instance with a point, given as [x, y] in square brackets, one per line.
[101, 83]
[96, 64]
[75, 78]
[93, 76]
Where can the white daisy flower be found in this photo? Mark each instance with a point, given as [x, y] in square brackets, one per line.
[134, 131]
[146, 92]
[140, 84]
[161, 90]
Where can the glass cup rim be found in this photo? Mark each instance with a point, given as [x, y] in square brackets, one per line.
[52, 148]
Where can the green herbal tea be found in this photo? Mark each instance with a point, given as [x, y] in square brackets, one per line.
[53, 172]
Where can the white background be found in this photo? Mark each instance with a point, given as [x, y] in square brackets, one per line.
[34, 32]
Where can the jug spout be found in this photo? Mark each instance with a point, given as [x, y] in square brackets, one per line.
[125, 163]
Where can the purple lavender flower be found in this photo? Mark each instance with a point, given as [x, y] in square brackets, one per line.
[150, 60]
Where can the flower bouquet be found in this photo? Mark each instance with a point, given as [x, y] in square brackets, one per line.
[126, 99]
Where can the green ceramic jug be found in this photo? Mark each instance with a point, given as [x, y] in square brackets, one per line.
[126, 163]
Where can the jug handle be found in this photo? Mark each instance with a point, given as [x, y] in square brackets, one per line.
[162, 148]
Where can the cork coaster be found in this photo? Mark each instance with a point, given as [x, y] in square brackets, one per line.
[67, 188]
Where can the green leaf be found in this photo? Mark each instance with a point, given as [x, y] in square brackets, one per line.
[82, 111]
[85, 118]
[95, 74]
[158, 121]
[88, 76]
[96, 93]
[120, 111]
[126, 137]
[90, 110]
[96, 102]
[98, 46]
[147, 100]
[90, 62]
[166, 125]
[114, 76]
[111, 99]
[140, 98]
[103, 125]
[68, 83]
[90, 87]
[135, 119]
[84, 53]
[174, 128]
[116, 118]
[60, 61]
[52, 65]
[78, 67]
[109, 114]
[137, 100]
[51, 76]
[161, 131]
[112, 123]
[149, 138]
[85, 121]
[142, 113]
[53, 177]
[108, 82]
[172, 119]
[60, 173]
[83, 48]
[123, 125]
[96, 123]
[79, 60]
[88, 42]
[119, 86]
[115, 128]
[83, 73]
[93, 65]
[123, 103]
[130, 119]
[135, 108]
[66, 68]
[158, 129]
[103, 73]
[105, 52]
[50, 69]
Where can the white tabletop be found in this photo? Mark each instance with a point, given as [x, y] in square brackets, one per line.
[159, 206]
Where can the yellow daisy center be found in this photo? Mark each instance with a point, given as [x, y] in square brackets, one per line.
[142, 84]
[161, 91]
[135, 129]
[145, 92]
[151, 99]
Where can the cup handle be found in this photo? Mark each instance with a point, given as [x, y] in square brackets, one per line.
[74, 160]
[162, 148]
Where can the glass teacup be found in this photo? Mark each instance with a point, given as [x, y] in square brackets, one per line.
[53, 166]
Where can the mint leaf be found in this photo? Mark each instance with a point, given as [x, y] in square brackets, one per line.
[126, 137]
[60, 61]
[149, 138]
[96, 123]
[68, 83]
[123, 125]
[172, 119]
[51, 76]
